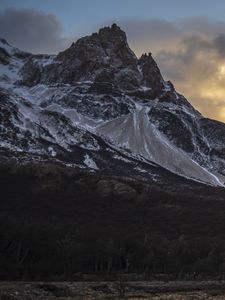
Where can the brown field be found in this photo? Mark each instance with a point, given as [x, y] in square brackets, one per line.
[174, 290]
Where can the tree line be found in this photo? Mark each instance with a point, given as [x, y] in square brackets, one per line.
[55, 225]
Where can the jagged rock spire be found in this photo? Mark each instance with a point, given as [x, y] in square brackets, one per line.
[151, 74]
[104, 56]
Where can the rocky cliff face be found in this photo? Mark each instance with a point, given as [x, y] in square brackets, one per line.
[103, 57]
[97, 106]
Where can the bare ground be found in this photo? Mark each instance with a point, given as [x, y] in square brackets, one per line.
[174, 290]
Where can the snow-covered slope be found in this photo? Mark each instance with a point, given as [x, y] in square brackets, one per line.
[136, 133]
[97, 106]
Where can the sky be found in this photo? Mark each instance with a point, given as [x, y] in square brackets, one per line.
[186, 38]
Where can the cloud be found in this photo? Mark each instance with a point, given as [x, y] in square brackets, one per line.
[190, 53]
[32, 30]
[198, 69]
[150, 35]
[219, 42]
[202, 26]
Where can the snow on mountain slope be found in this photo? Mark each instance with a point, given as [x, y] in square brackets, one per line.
[136, 133]
[96, 106]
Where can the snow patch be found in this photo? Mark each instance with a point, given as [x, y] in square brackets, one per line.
[52, 151]
[121, 158]
[135, 132]
[89, 162]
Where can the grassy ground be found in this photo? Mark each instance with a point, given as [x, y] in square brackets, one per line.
[178, 290]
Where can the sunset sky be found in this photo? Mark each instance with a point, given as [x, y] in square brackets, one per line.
[187, 38]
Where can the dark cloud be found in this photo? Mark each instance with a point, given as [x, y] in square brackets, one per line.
[152, 29]
[219, 43]
[156, 34]
[31, 30]
[201, 25]
[192, 55]
[151, 35]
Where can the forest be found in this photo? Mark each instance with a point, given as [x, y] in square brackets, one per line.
[59, 223]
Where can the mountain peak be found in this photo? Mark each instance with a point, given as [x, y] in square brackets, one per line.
[111, 41]
[112, 33]
[102, 57]
[106, 51]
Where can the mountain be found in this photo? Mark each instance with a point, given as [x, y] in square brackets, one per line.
[97, 107]
[105, 170]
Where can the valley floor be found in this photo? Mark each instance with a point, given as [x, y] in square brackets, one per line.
[155, 290]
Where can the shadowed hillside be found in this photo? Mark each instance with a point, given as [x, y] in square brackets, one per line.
[59, 223]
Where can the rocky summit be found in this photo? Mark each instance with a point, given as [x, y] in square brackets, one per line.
[96, 106]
